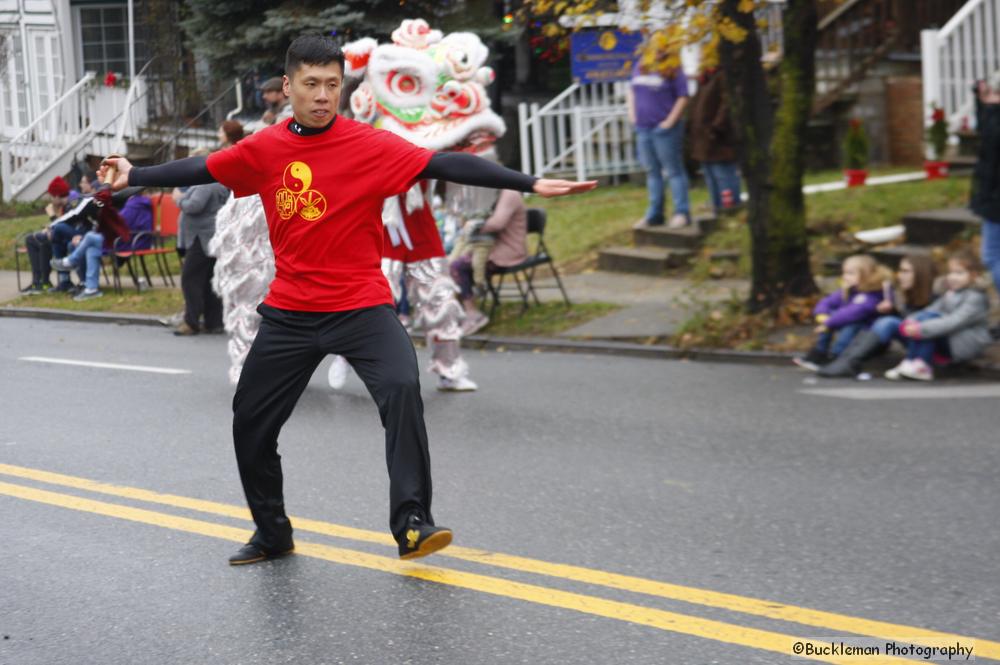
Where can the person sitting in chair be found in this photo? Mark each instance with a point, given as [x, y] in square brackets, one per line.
[509, 226]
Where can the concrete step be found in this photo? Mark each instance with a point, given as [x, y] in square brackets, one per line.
[891, 256]
[707, 222]
[938, 227]
[689, 237]
[643, 260]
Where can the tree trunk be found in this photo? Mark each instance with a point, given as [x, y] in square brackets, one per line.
[788, 243]
[772, 147]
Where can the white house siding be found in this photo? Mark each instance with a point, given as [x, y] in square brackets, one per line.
[39, 45]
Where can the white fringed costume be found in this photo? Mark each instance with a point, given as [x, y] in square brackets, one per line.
[429, 89]
[244, 268]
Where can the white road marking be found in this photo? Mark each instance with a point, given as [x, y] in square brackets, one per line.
[87, 363]
[914, 392]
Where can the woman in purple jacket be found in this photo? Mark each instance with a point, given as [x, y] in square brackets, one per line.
[843, 314]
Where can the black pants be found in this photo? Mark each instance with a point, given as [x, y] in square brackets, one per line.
[285, 353]
[39, 255]
[196, 283]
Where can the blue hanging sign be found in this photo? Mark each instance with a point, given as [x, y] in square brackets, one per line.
[600, 56]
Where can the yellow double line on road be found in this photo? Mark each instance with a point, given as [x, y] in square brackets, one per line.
[632, 613]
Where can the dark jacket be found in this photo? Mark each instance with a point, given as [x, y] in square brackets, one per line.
[856, 307]
[97, 213]
[986, 179]
[138, 216]
[712, 136]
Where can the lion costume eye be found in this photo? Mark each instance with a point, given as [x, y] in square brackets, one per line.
[404, 84]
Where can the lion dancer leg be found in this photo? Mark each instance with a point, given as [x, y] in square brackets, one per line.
[244, 269]
[413, 249]
[437, 311]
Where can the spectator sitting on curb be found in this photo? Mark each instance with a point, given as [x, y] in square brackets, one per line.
[509, 225]
[108, 226]
[844, 313]
[915, 281]
[953, 329]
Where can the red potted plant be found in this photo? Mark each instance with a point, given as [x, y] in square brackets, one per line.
[937, 135]
[856, 154]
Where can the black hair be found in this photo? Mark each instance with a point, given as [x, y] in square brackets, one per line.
[312, 50]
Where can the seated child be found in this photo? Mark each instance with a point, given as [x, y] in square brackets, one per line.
[954, 328]
[914, 291]
[844, 313]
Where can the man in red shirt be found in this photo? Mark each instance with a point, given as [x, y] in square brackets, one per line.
[322, 180]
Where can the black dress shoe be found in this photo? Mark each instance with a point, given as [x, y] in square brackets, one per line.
[251, 553]
[420, 538]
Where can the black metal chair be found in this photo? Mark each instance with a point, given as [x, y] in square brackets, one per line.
[523, 274]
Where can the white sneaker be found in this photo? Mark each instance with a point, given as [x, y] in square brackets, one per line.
[918, 370]
[337, 376]
[459, 385]
[87, 294]
[679, 221]
[896, 373]
[474, 324]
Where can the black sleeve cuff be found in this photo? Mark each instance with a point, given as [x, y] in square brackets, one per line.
[466, 169]
[179, 173]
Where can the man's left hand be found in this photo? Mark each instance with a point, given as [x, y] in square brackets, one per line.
[549, 188]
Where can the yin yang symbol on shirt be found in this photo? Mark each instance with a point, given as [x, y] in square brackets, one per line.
[296, 195]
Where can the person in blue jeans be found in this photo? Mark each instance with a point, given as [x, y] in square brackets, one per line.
[90, 247]
[914, 291]
[656, 102]
[713, 140]
[845, 312]
[985, 200]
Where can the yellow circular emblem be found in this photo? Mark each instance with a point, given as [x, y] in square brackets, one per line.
[298, 177]
[608, 41]
[312, 205]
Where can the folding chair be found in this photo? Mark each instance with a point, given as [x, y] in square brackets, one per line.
[165, 219]
[525, 270]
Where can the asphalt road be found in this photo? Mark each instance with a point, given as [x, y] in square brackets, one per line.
[702, 513]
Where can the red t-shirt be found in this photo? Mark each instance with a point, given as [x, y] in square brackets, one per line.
[323, 197]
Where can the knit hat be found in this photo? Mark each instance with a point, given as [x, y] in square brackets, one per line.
[58, 188]
[274, 84]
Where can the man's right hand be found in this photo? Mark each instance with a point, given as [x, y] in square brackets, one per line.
[122, 168]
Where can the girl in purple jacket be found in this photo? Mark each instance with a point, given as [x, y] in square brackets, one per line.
[843, 314]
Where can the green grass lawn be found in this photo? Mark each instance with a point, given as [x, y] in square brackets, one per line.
[158, 301]
[579, 226]
[543, 320]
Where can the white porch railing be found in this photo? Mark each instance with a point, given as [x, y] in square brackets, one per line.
[965, 50]
[60, 129]
[583, 132]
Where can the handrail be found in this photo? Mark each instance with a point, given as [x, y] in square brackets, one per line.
[558, 98]
[239, 101]
[129, 100]
[190, 123]
[959, 18]
[837, 13]
[87, 78]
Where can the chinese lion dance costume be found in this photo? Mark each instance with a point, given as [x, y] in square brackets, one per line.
[430, 89]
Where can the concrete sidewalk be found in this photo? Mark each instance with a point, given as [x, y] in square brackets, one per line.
[651, 306]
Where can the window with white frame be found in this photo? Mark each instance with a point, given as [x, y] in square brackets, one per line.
[102, 31]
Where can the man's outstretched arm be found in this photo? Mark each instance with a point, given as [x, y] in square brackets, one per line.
[178, 173]
[466, 169]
